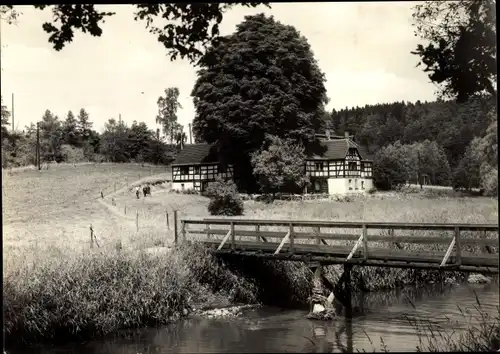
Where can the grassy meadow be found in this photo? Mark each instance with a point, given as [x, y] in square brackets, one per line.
[56, 286]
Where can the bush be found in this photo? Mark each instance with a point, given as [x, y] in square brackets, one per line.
[224, 198]
[72, 154]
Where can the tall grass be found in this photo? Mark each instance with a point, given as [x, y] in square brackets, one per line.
[98, 293]
[481, 335]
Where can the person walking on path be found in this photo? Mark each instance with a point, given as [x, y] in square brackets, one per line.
[137, 192]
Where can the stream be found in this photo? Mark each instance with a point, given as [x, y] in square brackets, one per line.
[385, 315]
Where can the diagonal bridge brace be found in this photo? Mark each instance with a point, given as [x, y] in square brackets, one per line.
[285, 239]
[224, 240]
[454, 243]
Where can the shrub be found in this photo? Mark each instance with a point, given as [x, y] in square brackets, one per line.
[224, 198]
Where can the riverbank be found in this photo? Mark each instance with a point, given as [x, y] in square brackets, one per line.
[98, 293]
[95, 294]
[384, 324]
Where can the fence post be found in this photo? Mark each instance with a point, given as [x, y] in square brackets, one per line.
[168, 223]
[457, 245]
[91, 237]
[257, 229]
[232, 235]
[208, 231]
[291, 239]
[365, 242]
[137, 219]
[317, 231]
[183, 230]
[175, 227]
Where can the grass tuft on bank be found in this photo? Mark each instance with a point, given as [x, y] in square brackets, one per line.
[484, 336]
[95, 294]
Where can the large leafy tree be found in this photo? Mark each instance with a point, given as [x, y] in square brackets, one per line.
[139, 137]
[115, 141]
[263, 79]
[167, 112]
[461, 52]
[185, 29]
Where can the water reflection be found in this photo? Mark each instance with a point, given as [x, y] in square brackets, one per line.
[378, 315]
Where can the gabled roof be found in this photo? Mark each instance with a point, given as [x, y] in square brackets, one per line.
[193, 154]
[336, 149]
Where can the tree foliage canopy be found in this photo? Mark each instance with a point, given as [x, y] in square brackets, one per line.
[167, 113]
[185, 29]
[461, 50]
[263, 79]
[280, 165]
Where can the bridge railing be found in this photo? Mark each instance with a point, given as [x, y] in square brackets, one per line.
[237, 232]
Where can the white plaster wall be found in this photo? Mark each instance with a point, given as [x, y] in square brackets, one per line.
[341, 185]
[177, 186]
[337, 186]
[368, 184]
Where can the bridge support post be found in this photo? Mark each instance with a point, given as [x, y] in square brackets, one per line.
[317, 297]
[339, 294]
[347, 290]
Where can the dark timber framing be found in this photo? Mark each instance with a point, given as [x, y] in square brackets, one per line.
[196, 165]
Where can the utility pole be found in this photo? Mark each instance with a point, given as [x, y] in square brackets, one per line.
[190, 138]
[38, 145]
[12, 111]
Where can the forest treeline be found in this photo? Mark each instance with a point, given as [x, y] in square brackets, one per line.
[448, 142]
[72, 139]
[440, 142]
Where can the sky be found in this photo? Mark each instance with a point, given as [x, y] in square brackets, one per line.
[363, 49]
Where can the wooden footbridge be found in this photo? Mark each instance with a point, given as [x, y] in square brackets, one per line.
[457, 247]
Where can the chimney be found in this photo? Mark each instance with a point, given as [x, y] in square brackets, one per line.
[327, 133]
[346, 134]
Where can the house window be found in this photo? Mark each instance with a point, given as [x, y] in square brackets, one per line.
[184, 170]
[182, 186]
[362, 166]
[353, 166]
[196, 170]
[362, 184]
[350, 184]
[319, 166]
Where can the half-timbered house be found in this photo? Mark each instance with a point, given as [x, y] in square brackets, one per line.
[344, 167]
[196, 166]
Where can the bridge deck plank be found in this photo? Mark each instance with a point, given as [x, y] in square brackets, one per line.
[375, 253]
